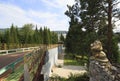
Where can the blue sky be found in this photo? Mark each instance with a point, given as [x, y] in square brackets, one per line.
[48, 13]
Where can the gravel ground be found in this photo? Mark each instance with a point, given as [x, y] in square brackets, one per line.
[65, 71]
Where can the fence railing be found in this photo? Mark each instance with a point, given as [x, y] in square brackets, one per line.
[11, 66]
[17, 64]
[11, 51]
[30, 63]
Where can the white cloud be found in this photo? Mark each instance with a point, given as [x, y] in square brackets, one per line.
[50, 19]
[58, 3]
[42, 15]
[55, 20]
[14, 14]
[62, 6]
[54, 25]
[117, 24]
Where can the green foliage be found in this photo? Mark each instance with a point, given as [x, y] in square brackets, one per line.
[26, 36]
[117, 35]
[46, 36]
[119, 57]
[80, 62]
[25, 32]
[80, 34]
[36, 36]
[88, 22]
[115, 50]
[72, 77]
[62, 38]
[75, 40]
[41, 35]
[54, 38]
[57, 78]
[13, 34]
[78, 77]
[73, 59]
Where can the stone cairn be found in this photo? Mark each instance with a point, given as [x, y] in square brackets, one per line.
[100, 68]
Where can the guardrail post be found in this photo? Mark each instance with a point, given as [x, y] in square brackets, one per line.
[16, 50]
[6, 52]
[23, 50]
[26, 71]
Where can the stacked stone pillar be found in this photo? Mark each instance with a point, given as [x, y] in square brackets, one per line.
[100, 68]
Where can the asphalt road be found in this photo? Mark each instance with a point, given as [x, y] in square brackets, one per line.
[9, 58]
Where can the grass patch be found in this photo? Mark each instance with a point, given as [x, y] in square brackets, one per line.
[71, 62]
[72, 59]
[74, 62]
[16, 75]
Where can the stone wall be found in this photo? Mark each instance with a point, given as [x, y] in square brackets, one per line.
[100, 68]
[102, 73]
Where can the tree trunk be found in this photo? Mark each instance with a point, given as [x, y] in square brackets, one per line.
[109, 30]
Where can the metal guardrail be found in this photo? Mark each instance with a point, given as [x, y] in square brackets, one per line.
[33, 59]
[31, 63]
[12, 65]
[11, 51]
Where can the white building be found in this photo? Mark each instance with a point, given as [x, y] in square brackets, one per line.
[64, 33]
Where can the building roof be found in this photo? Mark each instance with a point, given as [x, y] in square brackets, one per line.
[61, 32]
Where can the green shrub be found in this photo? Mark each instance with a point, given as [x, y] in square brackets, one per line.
[59, 66]
[119, 57]
[71, 77]
[78, 77]
[57, 78]
[74, 59]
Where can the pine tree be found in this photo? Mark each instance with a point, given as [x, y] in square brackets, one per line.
[41, 35]
[74, 39]
[12, 31]
[7, 38]
[25, 32]
[36, 36]
[112, 12]
[92, 16]
[46, 36]
[14, 36]
[54, 38]
[62, 39]
[50, 36]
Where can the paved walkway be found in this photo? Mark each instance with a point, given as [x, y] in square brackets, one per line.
[65, 71]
